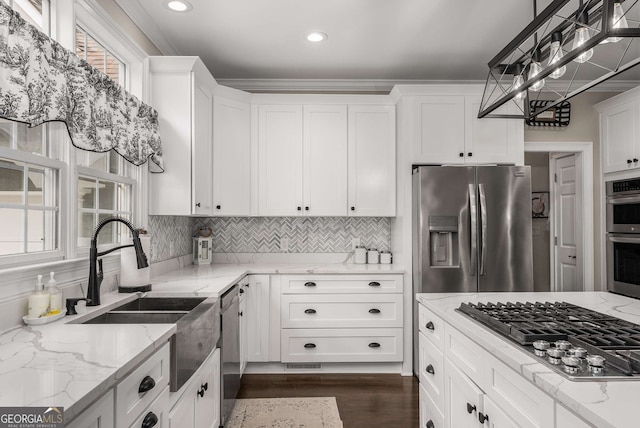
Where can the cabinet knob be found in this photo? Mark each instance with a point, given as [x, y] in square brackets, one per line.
[629, 161]
[309, 311]
[299, 208]
[482, 417]
[147, 384]
[205, 386]
[309, 284]
[470, 408]
[469, 154]
[374, 311]
[374, 345]
[430, 326]
[149, 421]
[461, 155]
[309, 345]
[198, 203]
[430, 424]
[374, 284]
[635, 160]
[353, 208]
[241, 291]
[239, 314]
[218, 207]
[430, 369]
[306, 208]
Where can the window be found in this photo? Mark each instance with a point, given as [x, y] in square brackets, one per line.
[99, 57]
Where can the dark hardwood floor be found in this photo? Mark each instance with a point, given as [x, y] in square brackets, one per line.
[364, 400]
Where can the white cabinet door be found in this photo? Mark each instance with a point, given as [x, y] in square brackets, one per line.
[372, 159]
[257, 318]
[243, 326]
[231, 154]
[207, 397]
[494, 417]
[439, 129]
[325, 160]
[98, 415]
[201, 176]
[280, 160]
[619, 130]
[463, 399]
[491, 140]
[183, 413]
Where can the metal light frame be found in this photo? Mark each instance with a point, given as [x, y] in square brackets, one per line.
[503, 64]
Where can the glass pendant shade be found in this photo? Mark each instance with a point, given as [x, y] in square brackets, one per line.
[619, 20]
[556, 54]
[580, 38]
[534, 69]
[518, 80]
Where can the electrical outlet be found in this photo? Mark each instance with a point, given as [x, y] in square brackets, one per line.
[284, 244]
[172, 248]
[354, 243]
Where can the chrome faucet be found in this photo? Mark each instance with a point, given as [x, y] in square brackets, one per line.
[95, 265]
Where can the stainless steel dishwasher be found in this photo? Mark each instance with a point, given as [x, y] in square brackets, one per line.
[230, 351]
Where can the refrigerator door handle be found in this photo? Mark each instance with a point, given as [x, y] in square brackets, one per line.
[483, 230]
[474, 230]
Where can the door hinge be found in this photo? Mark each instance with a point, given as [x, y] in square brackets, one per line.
[555, 240]
[555, 178]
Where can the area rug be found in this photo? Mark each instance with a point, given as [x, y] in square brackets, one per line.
[320, 412]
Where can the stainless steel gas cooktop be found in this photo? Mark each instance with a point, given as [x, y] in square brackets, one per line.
[579, 343]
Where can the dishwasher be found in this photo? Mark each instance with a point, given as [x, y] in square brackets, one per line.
[230, 352]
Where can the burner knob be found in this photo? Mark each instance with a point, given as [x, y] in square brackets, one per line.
[578, 352]
[571, 364]
[595, 361]
[556, 353]
[563, 344]
[540, 347]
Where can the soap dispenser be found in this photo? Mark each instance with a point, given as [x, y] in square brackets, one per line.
[38, 301]
[55, 296]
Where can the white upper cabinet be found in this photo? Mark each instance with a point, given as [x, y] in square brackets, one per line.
[619, 132]
[445, 128]
[372, 160]
[280, 160]
[231, 157]
[182, 92]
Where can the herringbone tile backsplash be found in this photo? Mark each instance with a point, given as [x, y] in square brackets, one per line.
[306, 235]
[163, 230]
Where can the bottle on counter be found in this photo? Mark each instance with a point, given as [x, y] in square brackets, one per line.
[38, 301]
[55, 296]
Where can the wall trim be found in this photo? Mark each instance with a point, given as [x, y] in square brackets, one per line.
[585, 150]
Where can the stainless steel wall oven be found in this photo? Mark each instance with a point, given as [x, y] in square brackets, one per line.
[623, 237]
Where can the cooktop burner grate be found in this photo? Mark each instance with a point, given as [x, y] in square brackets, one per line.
[616, 341]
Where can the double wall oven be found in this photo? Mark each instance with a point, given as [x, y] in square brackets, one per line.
[623, 236]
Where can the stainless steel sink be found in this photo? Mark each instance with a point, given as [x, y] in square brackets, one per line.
[198, 328]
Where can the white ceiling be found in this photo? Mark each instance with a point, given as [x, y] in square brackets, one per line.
[368, 39]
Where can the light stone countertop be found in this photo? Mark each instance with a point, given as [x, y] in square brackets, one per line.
[71, 365]
[604, 404]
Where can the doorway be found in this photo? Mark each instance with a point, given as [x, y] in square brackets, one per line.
[562, 176]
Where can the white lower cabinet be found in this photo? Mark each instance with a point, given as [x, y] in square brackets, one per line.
[257, 317]
[98, 415]
[463, 385]
[242, 323]
[199, 403]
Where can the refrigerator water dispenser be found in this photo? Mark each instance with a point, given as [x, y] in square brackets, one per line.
[443, 235]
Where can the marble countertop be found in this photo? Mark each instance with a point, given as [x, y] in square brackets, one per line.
[604, 404]
[70, 365]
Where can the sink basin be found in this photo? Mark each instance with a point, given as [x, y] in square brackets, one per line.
[197, 323]
[161, 304]
[137, 318]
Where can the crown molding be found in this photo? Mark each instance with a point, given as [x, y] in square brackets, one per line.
[148, 26]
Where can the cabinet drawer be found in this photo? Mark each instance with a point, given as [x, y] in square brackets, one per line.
[158, 410]
[348, 284]
[342, 310]
[432, 326]
[129, 402]
[430, 415]
[344, 345]
[519, 398]
[431, 371]
[465, 354]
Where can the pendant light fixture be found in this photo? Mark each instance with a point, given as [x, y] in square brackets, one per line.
[568, 48]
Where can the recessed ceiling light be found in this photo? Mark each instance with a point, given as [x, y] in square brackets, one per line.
[179, 5]
[316, 37]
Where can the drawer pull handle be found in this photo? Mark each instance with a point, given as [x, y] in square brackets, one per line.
[374, 311]
[309, 345]
[430, 424]
[374, 345]
[430, 369]
[309, 284]
[147, 384]
[430, 326]
[309, 311]
[374, 284]
[470, 408]
[482, 417]
[150, 420]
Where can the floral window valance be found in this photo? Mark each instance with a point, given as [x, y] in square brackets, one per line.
[40, 81]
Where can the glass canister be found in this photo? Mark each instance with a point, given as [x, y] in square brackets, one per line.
[360, 255]
[373, 257]
[385, 257]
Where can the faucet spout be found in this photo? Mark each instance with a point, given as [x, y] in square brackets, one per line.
[95, 264]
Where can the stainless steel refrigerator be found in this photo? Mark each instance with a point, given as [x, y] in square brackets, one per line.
[472, 230]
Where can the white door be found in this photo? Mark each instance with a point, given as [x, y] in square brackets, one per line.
[231, 154]
[372, 161]
[325, 160]
[463, 399]
[280, 160]
[568, 225]
[439, 129]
